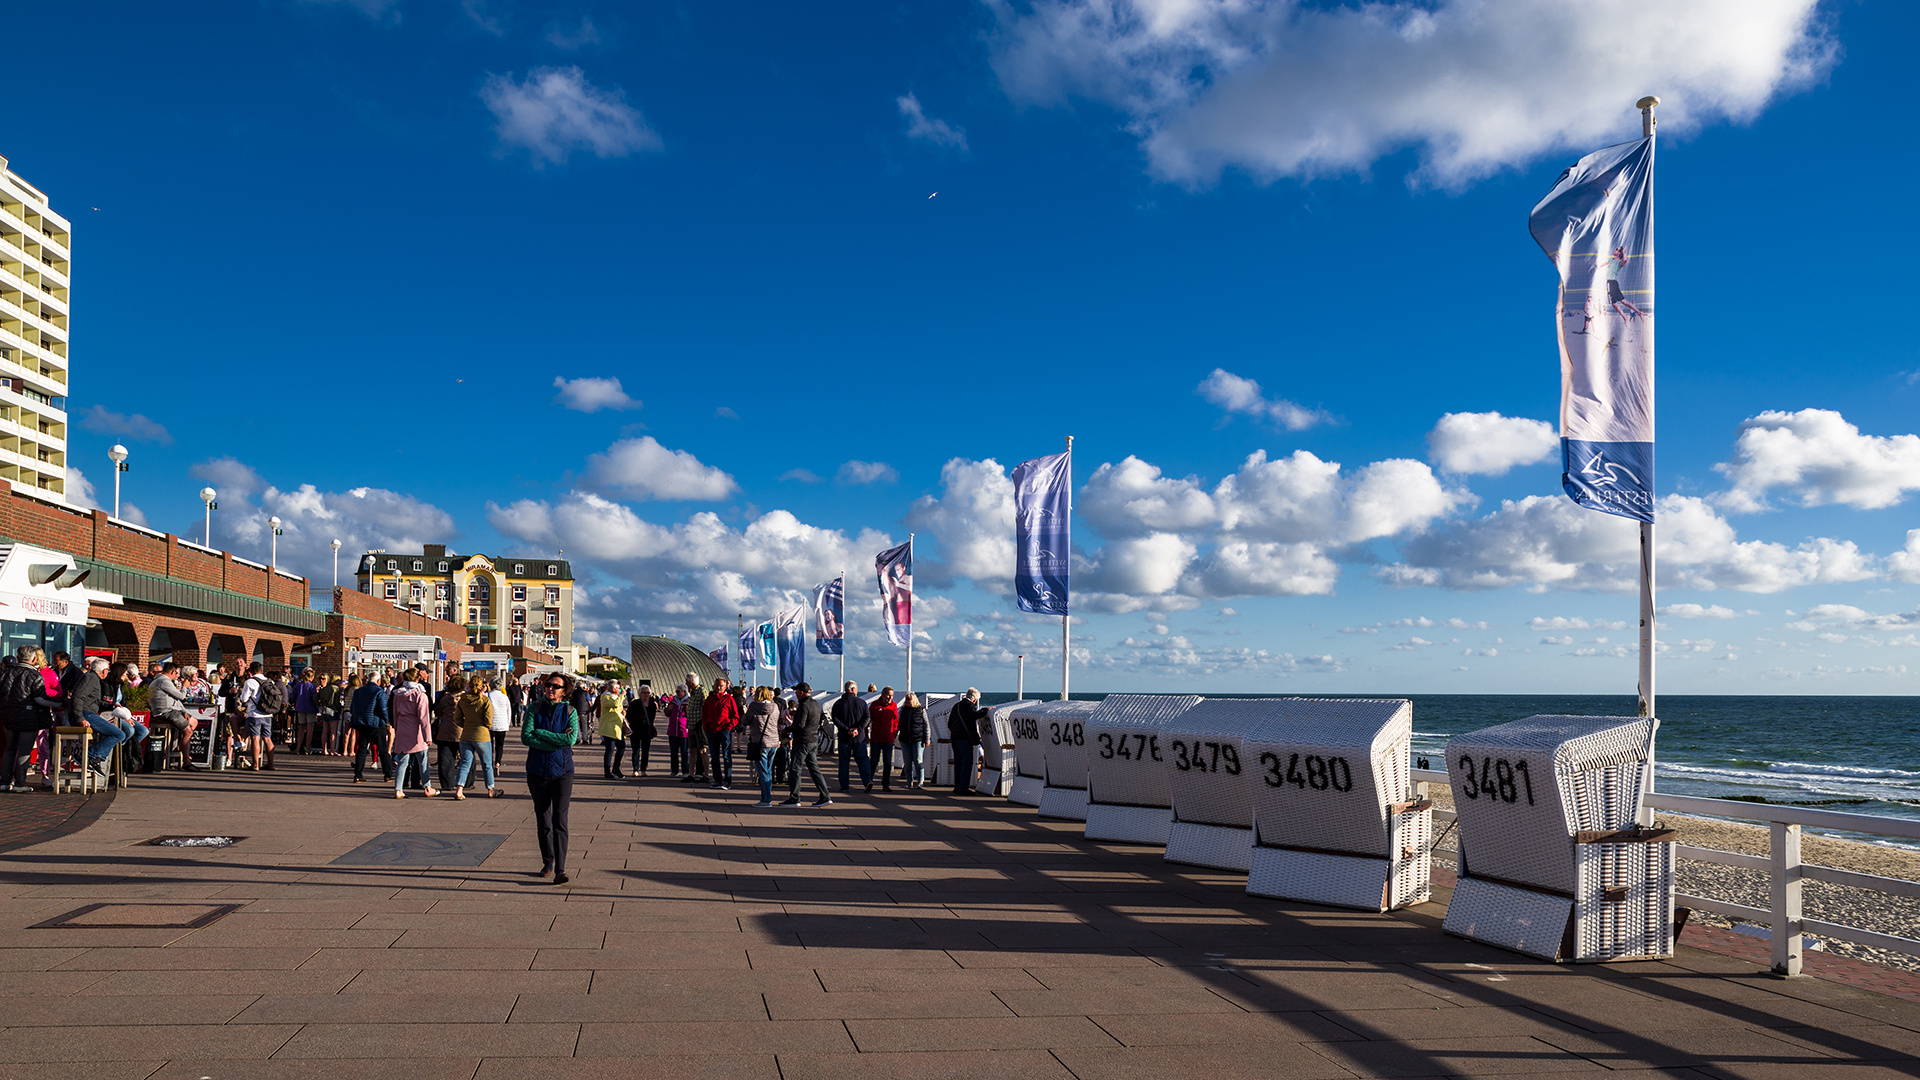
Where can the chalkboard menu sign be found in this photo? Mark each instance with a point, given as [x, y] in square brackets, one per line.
[207, 723]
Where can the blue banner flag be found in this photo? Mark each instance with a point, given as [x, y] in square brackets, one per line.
[790, 629]
[746, 649]
[1043, 533]
[1597, 226]
[829, 625]
[719, 656]
[895, 569]
[763, 638]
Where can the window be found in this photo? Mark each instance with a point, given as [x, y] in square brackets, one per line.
[419, 565]
[519, 594]
[442, 591]
[443, 566]
[553, 594]
[443, 611]
[393, 590]
[473, 616]
[519, 616]
[553, 641]
[519, 637]
[552, 570]
[553, 618]
[393, 564]
[519, 568]
[477, 592]
[418, 590]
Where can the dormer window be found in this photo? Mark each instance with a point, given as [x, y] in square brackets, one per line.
[552, 570]
[519, 568]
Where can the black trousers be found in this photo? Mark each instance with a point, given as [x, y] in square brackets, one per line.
[499, 752]
[642, 750]
[880, 762]
[550, 799]
[963, 766]
[19, 749]
[370, 740]
[805, 756]
[447, 761]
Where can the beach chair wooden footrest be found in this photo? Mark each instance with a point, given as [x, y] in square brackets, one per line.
[1026, 790]
[1219, 847]
[993, 782]
[1067, 804]
[1129, 824]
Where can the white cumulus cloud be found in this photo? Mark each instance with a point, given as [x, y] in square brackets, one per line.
[1132, 498]
[1285, 88]
[923, 127]
[555, 111]
[1488, 443]
[644, 469]
[591, 394]
[1904, 565]
[1698, 611]
[1820, 458]
[867, 472]
[972, 524]
[1236, 394]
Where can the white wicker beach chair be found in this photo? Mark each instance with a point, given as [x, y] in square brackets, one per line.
[1552, 863]
[1211, 780]
[1129, 800]
[1063, 736]
[1335, 820]
[996, 752]
[940, 754]
[1029, 750]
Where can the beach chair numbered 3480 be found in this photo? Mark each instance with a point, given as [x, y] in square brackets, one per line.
[1552, 862]
[1335, 820]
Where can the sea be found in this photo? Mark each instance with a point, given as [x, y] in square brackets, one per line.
[1857, 755]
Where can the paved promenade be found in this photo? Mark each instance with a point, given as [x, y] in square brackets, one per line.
[911, 935]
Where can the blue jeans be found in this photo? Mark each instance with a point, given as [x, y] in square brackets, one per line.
[720, 757]
[763, 771]
[109, 733]
[916, 768]
[852, 750]
[407, 763]
[469, 751]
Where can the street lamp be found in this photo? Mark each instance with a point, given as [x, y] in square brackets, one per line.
[273, 558]
[207, 496]
[336, 564]
[117, 455]
[399, 601]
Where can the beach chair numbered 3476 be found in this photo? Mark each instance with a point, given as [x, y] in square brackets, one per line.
[1552, 862]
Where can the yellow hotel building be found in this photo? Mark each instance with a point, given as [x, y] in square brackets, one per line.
[501, 600]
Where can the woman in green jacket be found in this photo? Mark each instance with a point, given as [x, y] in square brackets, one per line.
[550, 729]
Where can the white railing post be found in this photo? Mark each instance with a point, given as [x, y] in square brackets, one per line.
[1787, 932]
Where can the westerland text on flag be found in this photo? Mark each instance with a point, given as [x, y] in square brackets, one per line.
[1043, 535]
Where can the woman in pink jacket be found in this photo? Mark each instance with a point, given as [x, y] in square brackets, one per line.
[412, 735]
[677, 748]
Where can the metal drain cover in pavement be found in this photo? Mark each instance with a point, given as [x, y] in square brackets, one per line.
[423, 849]
[196, 841]
[138, 916]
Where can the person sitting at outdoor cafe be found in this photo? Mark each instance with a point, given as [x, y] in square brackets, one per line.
[169, 705]
[195, 687]
[89, 708]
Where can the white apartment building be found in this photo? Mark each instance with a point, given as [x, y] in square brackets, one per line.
[34, 270]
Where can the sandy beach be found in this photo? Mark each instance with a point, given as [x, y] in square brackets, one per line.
[1823, 900]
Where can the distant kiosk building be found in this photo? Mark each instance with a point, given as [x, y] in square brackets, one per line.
[663, 663]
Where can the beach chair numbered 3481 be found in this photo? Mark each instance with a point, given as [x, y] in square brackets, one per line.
[1552, 862]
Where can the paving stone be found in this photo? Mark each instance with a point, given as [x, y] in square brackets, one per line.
[1260, 1061]
[464, 1007]
[1015, 1033]
[1453, 1057]
[430, 980]
[719, 1000]
[1663, 1049]
[654, 1067]
[933, 1001]
[413, 1067]
[1213, 1029]
[922, 1065]
[399, 1042]
[131, 1042]
[713, 1037]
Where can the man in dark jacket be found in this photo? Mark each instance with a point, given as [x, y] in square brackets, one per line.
[25, 712]
[808, 722]
[850, 716]
[446, 733]
[89, 695]
[964, 728]
[372, 726]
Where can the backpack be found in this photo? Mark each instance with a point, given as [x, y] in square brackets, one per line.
[272, 699]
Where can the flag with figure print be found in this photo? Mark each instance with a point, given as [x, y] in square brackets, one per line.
[719, 656]
[829, 614]
[1597, 226]
[763, 645]
[790, 631]
[895, 568]
[1042, 532]
[746, 649]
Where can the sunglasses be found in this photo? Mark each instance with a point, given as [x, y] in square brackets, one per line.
[556, 686]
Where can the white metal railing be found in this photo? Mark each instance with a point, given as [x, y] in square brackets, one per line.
[131, 527]
[1783, 866]
[250, 562]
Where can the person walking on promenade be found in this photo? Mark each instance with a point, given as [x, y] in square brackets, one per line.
[642, 720]
[883, 730]
[679, 761]
[503, 718]
[26, 710]
[446, 731]
[260, 697]
[965, 725]
[349, 686]
[809, 722]
[695, 705]
[327, 702]
[760, 737]
[476, 737]
[915, 736]
[718, 719]
[370, 723]
[412, 717]
[549, 730]
[850, 716]
[613, 732]
[582, 700]
[302, 699]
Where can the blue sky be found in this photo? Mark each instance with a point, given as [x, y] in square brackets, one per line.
[343, 251]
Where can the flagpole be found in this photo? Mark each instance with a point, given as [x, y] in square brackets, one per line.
[1647, 706]
[909, 689]
[1066, 633]
[843, 629]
